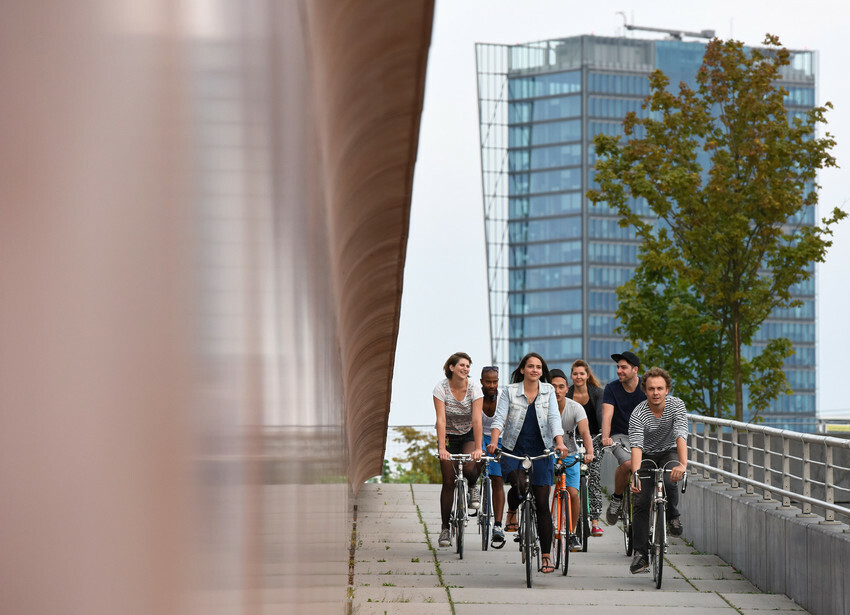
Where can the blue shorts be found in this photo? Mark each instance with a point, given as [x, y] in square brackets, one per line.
[542, 472]
[493, 467]
[572, 473]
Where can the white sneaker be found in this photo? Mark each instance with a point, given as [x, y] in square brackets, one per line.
[475, 498]
[445, 538]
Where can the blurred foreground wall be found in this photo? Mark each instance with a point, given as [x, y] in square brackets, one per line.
[203, 220]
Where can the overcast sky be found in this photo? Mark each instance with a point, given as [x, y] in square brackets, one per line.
[444, 305]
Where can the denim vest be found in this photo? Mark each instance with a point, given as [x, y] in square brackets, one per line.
[511, 410]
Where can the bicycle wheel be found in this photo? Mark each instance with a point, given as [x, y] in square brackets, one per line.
[584, 516]
[460, 517]
[484, 514]
[528, 541]
[626, 515]
[556, 533]
[565, 524]
[659, 538]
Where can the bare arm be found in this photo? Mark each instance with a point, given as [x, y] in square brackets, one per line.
[476, 427]
[440, 407]
[637, 458]
[607, 417]
[682, 451]
[584, 431]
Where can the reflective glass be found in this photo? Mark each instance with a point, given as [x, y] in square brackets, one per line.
[544, 85]
[544, 133]
[801, 379]
[800, 97]
[544, 109]
[540, 326]
[602, 301]
[615, 107]
[609, 276]
[609, 228]
[544, 205]
[553, 350]
[545, 253]
[794, 331]
[544, 301]
[601, 325]
[538, 278]
[605, 348]
[522, 231]
[599, 252]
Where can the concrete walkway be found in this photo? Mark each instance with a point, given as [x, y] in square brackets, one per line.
[398, 568]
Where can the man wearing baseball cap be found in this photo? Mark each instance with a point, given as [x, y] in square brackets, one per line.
[618, 400]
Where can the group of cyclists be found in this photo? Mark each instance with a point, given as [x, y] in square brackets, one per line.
[634, 417]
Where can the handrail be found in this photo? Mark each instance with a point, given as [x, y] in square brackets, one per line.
[723, 457]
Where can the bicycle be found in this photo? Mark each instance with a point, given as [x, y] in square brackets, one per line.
[527, 534]
[460, 514]
[485, 512]
[626, 510]
[562, 516]
[584, 501]
[658, 515]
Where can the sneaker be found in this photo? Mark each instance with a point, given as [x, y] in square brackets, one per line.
[445, 538]
[596, 531]
[575, 543]
[675, 527]
[498, 539]
[613, 512]
[474, 498]
[639, 563]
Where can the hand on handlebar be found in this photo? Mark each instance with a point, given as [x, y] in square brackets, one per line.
[562, 450]
[476, 454]
[588, 457]
[491, 448]
[634, 484]
[677, 473]
[444, 455]
[607, 441]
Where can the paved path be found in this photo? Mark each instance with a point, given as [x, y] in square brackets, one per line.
[398, 568]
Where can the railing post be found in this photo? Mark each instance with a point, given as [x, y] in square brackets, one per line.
[768, 471]
[786, 470]
[807, 479]
[829, 495]
[719, 435]
[706, 447]
[750, 470]
[733, 441]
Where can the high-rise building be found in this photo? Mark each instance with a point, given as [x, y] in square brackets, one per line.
[554, 259]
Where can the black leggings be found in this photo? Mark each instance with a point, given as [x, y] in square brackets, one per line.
[541, 499]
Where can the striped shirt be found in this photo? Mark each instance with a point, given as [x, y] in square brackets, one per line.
[657, 434]
[458, 413]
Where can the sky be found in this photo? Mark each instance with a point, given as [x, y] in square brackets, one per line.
[444, 303]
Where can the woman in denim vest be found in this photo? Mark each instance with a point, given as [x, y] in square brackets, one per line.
[528, 421]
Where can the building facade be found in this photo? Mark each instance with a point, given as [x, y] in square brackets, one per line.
[554, 259]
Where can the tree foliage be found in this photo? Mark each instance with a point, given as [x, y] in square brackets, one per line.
[419, 464]
[728, 178]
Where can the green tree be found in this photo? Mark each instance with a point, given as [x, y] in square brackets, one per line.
[420, 452]
[728, 244]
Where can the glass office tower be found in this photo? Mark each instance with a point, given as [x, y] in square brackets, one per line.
[555, 260]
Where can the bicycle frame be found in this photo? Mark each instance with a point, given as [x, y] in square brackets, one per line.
[658, 514]
[486, 510]
[562, 514]
[527, 535]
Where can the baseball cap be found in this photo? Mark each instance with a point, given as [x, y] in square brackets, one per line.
[628, 357]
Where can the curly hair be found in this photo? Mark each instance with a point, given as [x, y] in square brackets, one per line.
[656, 372]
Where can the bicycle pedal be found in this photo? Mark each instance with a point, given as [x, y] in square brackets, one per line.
[516, 537]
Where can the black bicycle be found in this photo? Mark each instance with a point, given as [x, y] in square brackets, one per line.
[485, 512]
[626, 510]
[527, 534]
[658, 515]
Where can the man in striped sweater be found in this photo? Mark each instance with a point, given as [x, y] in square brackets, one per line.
[658, 430]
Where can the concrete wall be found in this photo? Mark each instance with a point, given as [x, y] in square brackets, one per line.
[778, 550]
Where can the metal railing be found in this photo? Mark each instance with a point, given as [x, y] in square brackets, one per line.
[806, 469]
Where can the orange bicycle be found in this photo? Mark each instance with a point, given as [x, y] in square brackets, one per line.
[562, 514]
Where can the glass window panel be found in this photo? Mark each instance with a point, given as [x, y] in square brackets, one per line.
[544, 301]
[555, 181]
[523, 255]
[609, 276]
[545, 205]
[553, 350]
[545, 277]
[541, 326]
[557, 156]
[522, 231]
[544, 85]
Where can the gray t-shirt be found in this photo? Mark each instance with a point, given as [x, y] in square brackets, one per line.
[458, 413]
[572, 414]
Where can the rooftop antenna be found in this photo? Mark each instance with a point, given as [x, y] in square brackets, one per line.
[625, 21]
[674, 34]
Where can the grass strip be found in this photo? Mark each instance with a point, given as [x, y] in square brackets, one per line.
[433, 552]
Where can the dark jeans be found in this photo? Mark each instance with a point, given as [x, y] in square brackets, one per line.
[643, 500]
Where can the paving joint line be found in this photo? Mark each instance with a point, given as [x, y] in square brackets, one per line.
[433, 552]
[352, 549]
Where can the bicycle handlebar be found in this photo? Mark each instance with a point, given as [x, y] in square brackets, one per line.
[649, 472]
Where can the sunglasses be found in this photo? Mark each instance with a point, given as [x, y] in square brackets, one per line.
[489, 368]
